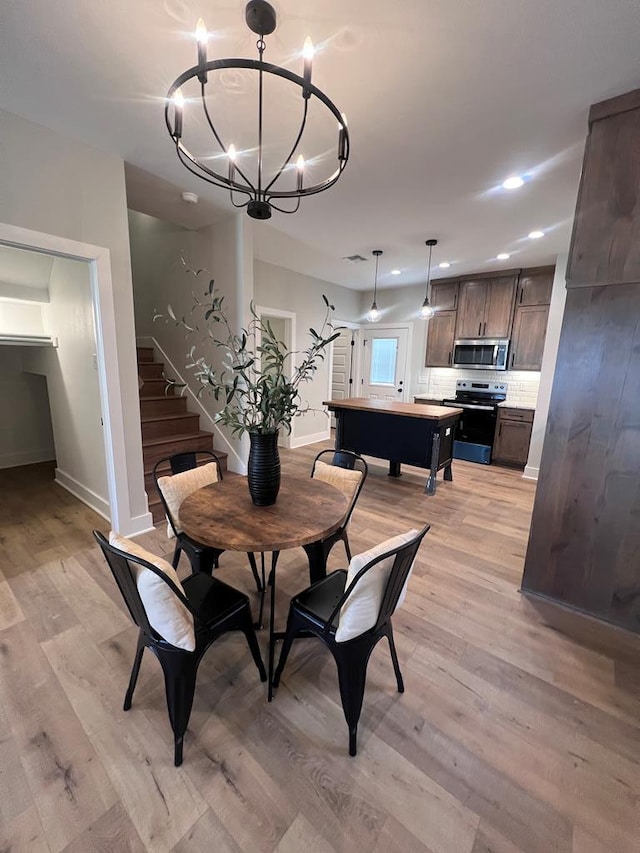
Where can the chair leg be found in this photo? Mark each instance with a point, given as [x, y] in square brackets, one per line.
[394, 658]
[180, 669]
[347, 548]
[250, 633]
[289, 637]
[134, 673]
[254, 570]
[176, 556]
[352, 674]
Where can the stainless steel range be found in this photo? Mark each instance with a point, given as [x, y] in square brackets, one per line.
[477, 425]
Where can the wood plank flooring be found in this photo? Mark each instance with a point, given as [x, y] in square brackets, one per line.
[519, 731]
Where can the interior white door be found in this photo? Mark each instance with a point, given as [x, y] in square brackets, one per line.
[384, 364]
[342, 367]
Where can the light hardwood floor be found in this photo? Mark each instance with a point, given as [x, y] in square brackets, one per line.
[511, 736]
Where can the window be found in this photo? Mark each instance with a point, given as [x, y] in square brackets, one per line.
[383, 361]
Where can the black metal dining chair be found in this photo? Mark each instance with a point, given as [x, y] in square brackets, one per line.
[350, 612]
[347, 471]
[190, 471]
[178, 622]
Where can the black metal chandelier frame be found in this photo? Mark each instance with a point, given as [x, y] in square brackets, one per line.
[261, 19]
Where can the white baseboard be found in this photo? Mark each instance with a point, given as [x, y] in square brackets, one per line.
[27, 457]
[303, 440]
[531, 473]
[84, 494]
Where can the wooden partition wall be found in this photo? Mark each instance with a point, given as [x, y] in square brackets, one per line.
[584, 546]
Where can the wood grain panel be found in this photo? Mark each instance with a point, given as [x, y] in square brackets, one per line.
[585, 536]
[605, 248]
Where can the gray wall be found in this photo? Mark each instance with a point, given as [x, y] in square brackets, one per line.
[72, 381]
[26, 435]
[276, 287]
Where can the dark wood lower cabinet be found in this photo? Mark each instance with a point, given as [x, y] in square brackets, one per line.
[513, 437]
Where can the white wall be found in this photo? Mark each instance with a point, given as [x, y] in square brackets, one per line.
[26, 435]
[552, 340]
[20, 319]
[56, 185]
[72, 381]
[276, 287]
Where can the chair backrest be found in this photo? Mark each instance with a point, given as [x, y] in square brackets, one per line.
[179, 463]
[120, 563]
[373, 592]
[349, 461]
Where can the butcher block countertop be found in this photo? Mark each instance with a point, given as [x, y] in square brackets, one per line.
[391, 407]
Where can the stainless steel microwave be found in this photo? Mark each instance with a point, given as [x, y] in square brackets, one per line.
[481, 354]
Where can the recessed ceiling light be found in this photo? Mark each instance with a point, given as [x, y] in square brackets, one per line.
[536, 235]
[444, 265]
[397, 272]
[503, 256]
[513, 183]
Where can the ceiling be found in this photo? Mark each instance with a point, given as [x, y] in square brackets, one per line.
[444, 100]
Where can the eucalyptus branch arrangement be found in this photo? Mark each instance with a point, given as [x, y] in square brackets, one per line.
[259, 380]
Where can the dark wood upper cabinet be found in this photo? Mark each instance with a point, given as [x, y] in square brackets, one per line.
[534, 287]
[527, 341]
[440, 337]
[485, 307]
[444, 295]
[473, 296]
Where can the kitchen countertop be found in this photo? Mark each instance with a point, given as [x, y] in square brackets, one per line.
[528, 407]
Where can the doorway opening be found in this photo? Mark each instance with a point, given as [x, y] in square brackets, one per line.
[283, 324]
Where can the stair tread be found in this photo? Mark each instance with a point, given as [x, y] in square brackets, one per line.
[168, 417]
[152, 442]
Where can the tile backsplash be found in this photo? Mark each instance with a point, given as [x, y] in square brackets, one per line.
[522, 385]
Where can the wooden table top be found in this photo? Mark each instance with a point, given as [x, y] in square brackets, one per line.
[392, 407]
[222, 515]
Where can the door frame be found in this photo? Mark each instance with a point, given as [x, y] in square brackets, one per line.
[98, 260]
[373, 327]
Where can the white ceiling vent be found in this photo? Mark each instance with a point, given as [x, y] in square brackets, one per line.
[355, 259]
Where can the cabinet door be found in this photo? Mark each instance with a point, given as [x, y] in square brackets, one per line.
[471, 305]
[444, 295]
[499, 307]
[512, 442]
[529, 332]
[440, 336]
[535, 287]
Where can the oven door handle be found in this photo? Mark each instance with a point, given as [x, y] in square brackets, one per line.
[472, 406]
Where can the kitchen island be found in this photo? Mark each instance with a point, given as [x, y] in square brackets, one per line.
[409, 433]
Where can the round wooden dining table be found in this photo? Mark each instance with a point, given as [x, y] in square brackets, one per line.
[222, 515]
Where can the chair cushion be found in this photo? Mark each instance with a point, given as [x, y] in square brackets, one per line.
[360, 610]
[166, 613]
[345, 479]
[175, 488]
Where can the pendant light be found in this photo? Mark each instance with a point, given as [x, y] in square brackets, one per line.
[374, 315]
[426, 311]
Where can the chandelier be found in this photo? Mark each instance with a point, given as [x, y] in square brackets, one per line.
[374, 314]
[426, 310]
[245, 173]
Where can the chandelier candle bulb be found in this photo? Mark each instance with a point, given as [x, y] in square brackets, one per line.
[342, 140]
[300, 170]
[231, 154]
[202, 36]
[178, 104]
[307, 53]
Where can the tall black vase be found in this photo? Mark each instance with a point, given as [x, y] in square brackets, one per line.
[264, 468]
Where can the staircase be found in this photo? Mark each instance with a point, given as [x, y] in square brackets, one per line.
[167, 426]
